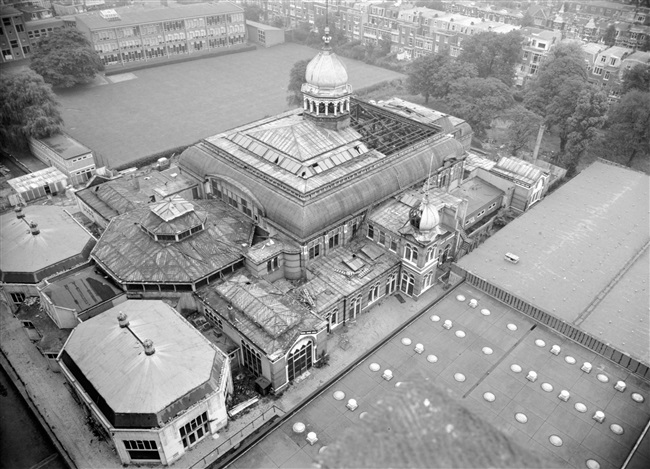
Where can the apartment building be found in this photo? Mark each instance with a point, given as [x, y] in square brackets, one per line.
[537, 45]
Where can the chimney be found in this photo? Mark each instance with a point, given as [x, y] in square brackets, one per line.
[148, 347]
[231, 314]
[122, 319]
[19, 212]
[33, 226]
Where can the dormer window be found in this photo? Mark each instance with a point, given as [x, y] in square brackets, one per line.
[173, 220]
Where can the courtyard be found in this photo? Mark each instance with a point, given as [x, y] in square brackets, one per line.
[129, 116]
[484, 360]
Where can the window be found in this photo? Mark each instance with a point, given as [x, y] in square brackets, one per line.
[355, 307]
[195, 430]
[142, 449]
[314, 250]
[13, 44]
[272, 264]
[382, 238]
[373, 294]
[407, 284]
[334, 240]
[20, 28]
[410, 253]
[6, 21]
[431, 254]
[391, 284]
[598, 71]
[300, 360]
[525, 55]
[245, 208]
[18, 297]
[480, 214]
[393, 245]
[428, 280]
[533, 69]
[233, 201]
[603, 59]
[371, 232]
[252, 359]
[612, 61]
[606, 76]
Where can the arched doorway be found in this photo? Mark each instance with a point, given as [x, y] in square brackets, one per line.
[300, 359]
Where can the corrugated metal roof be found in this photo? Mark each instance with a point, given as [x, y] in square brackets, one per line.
[133, 256]
[572, 246]
[112, 358]
[518, 169]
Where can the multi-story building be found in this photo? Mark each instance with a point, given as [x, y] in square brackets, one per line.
[66, 154]
[139, 34]
[605, 71]
[14, 42]
[537, 44]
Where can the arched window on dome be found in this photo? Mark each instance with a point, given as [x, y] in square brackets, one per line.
[321, 108]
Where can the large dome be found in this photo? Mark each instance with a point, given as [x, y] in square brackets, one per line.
[430, 218]
[326, 71]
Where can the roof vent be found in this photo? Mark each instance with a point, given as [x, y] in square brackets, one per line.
[510, 257]
[33, 227]
[19, 212]
[148, 347]
[122, 319]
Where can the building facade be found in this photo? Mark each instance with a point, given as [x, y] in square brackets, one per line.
[66, 154]
[131, 35]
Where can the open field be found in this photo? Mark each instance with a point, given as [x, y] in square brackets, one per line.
[173, 105]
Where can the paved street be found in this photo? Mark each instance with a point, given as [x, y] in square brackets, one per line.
[511, 339]
[123, 118]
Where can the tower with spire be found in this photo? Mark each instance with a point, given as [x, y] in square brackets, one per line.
[326, 92]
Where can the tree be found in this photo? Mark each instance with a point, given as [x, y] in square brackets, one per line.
[627, 131]
[253, 12]
[431, 4]
[636, 78]
[553, 93]
[644, 46]
[523, 128]
[28, 108]
[527, 20]
[583, 125]
[494, 55]
[609, 38]
[433, 74]
[479, 101]
[65, 58]
[384, 45]
[296, 79]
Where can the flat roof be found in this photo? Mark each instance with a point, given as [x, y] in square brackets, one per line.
[576, 247]
[137, 14]
[80, 290]
[38, 179]
[65, 146]
[60, 239]
[477, 192]
[112, 358]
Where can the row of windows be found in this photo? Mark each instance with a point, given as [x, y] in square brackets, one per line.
[223, 191]
[195, 430]
[382, 238]
[142, 449]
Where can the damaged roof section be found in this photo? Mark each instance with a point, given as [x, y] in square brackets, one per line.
[133, 256]
[265, 315]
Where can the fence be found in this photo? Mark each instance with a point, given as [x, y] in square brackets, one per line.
[235, 441]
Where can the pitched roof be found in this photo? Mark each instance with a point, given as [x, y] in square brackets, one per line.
[184, 369]
[133, 256]
[518, 170]
[60, 245]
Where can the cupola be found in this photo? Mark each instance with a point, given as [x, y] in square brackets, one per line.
[326, 92]
[425, 219]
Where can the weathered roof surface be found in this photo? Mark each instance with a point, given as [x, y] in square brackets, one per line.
[52, 338]
[263, 251]
[172, 216]
[184, 368]
[65, 146]
[261, 312]
[126, 193]
[518, 170]
[335, 278]
[419, 113]
[132, 255]
[307, 216]
[80, 290]
[477, 192]
[473, 161]
[60, 245]
[575, 249]
[171, 208]
[38, 179]
[420, 425]
[135, 15]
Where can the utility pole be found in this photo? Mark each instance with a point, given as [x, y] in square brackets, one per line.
[538, 143]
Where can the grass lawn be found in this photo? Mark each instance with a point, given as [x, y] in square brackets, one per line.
[173, 105]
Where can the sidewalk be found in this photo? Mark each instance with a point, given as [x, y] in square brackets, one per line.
[67, 419]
